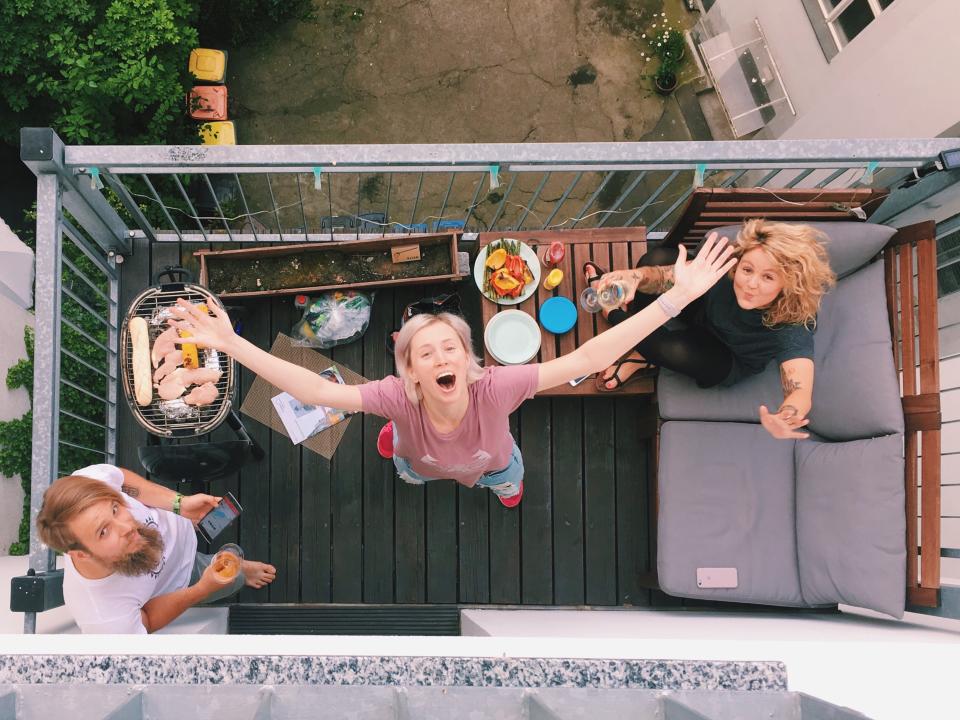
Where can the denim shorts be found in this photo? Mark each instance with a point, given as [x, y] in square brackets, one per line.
[503, 483]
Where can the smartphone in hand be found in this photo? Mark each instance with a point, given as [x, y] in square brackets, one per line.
[219, 519]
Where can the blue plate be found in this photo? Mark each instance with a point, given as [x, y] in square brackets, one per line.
[558, 315]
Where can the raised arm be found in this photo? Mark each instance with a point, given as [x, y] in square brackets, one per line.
[796, 379]
[215, 330]
[690, 281]
[192, 507]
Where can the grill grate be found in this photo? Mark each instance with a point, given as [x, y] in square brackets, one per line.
[151, 417]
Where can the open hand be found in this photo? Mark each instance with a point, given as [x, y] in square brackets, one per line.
[194, 507]
[213, 330]
[784, 425]
[694, 278]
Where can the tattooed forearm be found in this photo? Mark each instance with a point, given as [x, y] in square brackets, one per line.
[788, 383]
[130, 490]
[655, 280]
[788, 412]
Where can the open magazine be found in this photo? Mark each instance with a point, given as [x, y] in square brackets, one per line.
[304, 421]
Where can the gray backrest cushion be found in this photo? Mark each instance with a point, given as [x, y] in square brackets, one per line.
[726, 499]
[679, 397]
[851, 524]
[852, 244]
[856, 392]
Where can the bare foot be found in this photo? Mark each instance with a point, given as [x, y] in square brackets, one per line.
[627, 369]
[258, 574]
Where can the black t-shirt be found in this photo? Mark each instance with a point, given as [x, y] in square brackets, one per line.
[753, 344]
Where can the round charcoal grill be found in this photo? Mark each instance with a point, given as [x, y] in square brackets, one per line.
[152, 417]
[193, 462]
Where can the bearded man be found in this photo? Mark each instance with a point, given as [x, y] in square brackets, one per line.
[131, 563]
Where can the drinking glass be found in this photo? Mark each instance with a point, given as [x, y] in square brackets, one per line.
[608, 298]
[227, 562]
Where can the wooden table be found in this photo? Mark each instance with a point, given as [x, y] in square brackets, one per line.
[611, 249]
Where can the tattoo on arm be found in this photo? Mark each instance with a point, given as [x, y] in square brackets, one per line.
[130, 490]
[788, 383]
[655, 280]
[788, 412]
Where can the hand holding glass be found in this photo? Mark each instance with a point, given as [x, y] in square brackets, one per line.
[227, 562]
[608, 297]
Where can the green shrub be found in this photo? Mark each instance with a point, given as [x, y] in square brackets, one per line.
[97, 71]
[235, 22]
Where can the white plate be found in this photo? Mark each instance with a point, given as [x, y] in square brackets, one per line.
[533, 262]
[512, 337]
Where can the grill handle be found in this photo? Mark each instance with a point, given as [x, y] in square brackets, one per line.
[177, 276]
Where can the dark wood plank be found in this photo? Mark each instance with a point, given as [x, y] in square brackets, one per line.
[254, 497]
[536, 509]
[473, 543]
[346, 496]
[316, 534]
[600, 508]
[134, 278]
[285, 487]
[505, 543]
[634, 555]
[379, 478]
[409, 500]
[568, 570]
[441, 539]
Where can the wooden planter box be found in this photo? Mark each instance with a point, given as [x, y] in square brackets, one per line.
[311, 267]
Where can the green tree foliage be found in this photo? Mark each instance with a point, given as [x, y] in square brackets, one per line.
[96, 71]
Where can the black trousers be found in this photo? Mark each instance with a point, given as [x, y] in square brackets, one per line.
[691, 349]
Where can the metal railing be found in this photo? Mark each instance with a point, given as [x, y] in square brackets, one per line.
[271, 194]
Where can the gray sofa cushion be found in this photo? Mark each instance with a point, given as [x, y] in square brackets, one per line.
[726, 499]
[679, 397]
[850, 523]
[856, 392]
[852, 244]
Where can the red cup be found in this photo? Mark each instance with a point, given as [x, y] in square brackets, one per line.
[555, 253]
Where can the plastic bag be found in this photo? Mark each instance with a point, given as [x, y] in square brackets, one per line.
[333, 318]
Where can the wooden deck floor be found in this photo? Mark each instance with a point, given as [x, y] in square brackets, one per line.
[348, 531]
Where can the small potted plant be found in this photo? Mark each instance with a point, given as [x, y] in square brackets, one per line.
[665, 77]
[666, 44]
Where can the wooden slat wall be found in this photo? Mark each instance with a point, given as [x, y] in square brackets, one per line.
[710, 208]
[917, 346]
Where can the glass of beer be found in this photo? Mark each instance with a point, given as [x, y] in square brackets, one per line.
[226, 563]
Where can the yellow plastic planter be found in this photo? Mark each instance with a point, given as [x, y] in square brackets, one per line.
[218, 133]
[208, 65]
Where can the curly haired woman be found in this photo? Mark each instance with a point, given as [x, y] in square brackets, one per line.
[764, 309]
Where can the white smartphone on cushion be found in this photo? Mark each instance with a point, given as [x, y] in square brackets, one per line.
[716, 577]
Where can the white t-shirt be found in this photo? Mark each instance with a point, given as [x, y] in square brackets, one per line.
[112, 604]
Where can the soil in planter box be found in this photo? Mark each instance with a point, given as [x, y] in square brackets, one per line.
[319, 268]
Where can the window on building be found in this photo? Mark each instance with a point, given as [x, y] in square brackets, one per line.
[837, 22]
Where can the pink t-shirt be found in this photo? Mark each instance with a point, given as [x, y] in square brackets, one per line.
[481, 444]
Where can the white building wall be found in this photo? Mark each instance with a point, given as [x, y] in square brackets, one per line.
[896, 79]
[13, 404]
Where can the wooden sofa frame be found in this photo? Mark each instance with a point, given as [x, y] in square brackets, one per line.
[910, 266]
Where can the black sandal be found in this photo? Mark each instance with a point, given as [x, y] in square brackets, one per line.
[648, 370]
[598, 272]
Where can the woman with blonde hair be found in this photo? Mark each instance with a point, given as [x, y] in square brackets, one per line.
[765, 309]
[449, 417]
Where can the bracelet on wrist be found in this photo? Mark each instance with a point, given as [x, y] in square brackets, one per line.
[669, 309]
[176, 503]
